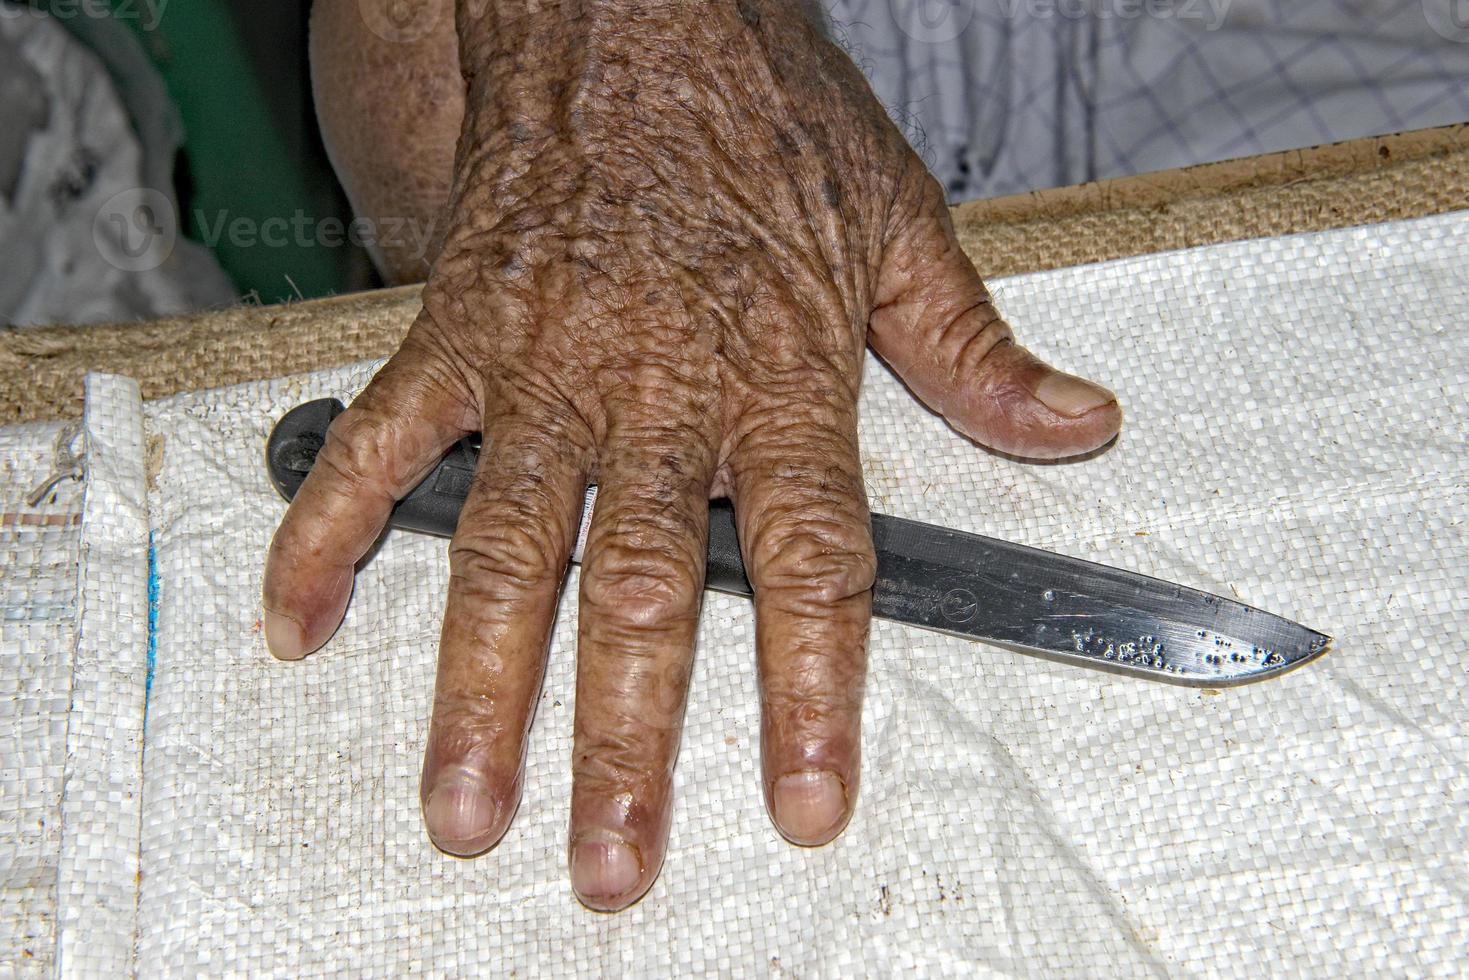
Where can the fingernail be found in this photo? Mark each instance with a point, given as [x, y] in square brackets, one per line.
[1071, 396]
[603, 867]
[460, 815]
[284, 637]
[809, 806]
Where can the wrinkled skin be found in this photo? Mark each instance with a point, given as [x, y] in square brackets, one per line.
[670, 231]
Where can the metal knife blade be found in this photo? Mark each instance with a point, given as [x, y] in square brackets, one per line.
[1078, 611]
[968, 585]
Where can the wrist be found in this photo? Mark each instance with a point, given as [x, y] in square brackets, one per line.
[539, 73]
[536, 32]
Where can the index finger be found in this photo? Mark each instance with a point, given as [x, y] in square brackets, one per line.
[376, 451]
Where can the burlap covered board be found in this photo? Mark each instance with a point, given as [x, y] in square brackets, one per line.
[1356, 183]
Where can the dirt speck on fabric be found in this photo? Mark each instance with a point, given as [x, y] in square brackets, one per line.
[153, 459]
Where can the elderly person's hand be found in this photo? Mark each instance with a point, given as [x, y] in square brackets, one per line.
[672, 229]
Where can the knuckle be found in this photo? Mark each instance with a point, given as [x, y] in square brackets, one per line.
[618, 756]
[826, 559]
[974, 334]
[670, 450]
[444, 307]
[805, 710]
[807, 407]
[489, 559]
[919, 198]
[642, 587]
[818, 685]
[467, 722]
[929, 196]
[788, 369]
[357, 446]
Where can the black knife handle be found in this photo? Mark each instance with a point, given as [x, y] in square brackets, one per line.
[726, 569]
[433, 506]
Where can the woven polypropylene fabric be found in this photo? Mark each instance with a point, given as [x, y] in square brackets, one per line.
[1296, 437]
[97, 880]
[39, 545]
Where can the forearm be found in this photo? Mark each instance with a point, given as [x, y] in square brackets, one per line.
[500, 39]
[577, 80]
[558, 72]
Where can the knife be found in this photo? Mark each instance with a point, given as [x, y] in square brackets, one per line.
[1025, 599]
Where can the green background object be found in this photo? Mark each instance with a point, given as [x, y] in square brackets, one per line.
[253, 179]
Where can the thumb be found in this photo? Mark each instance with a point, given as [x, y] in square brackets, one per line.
[934, 322]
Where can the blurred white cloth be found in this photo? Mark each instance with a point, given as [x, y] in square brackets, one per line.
[1296, 437]
[88, 223]
[1005, 96]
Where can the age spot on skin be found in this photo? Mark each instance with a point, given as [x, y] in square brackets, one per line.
[831, 193]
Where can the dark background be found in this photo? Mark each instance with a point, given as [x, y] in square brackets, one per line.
[239, 74]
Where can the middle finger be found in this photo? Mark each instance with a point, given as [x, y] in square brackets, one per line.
[641, 583]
